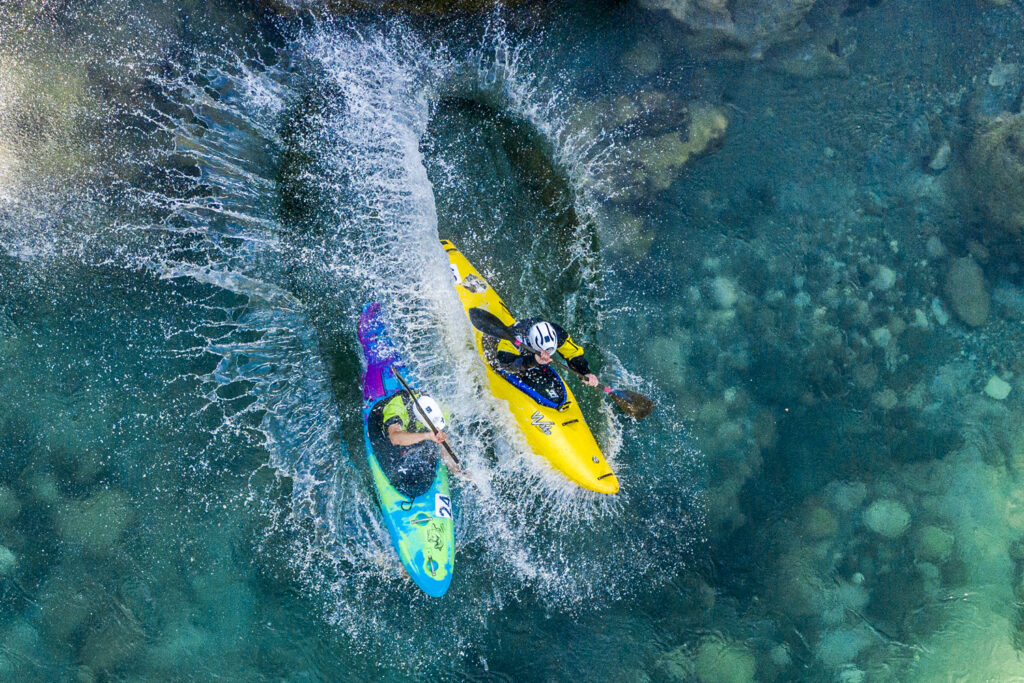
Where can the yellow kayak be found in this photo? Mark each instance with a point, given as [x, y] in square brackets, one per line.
[551, 421]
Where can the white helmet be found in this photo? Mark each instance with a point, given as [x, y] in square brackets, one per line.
[426, 406]
[543, 336]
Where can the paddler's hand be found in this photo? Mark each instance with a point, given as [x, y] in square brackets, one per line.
[590, 380]
[438, 437]
[543, 357]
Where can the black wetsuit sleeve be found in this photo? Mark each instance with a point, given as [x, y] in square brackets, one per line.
[517, 362]
[571, 351]
[513, 362]
[579, 364]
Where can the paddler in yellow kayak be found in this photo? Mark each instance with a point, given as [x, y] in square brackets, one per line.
[547, 338]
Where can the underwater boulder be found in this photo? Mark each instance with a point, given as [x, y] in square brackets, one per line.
[723, 661]
[842, 645]
[625, 234]
[66, 602]
[9, 505]
[997, 388]
[819, 523]
[8, 561]
[965, 289]
[674, 132]
[813, 61]
[887, 518]
[643, 59]
[995, 164]
[96, 523]
[934, 545]
[114, 638]
[724, 292]
[343, 7]
[735, 28]
[654, 163]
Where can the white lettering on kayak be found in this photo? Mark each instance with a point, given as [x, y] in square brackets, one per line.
[538, 421]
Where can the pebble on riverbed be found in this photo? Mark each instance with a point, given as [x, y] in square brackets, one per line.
[997, 388]
[887, 518]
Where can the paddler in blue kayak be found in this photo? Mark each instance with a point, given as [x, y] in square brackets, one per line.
[411, 463]
[547, 338]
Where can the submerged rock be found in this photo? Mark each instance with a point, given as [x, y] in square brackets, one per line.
[815, 61]
[886, 399]
[735, 28]
[657, 161]
[933, 545]
[9, 505]
[723, 661]
[724, 292]
[884, 279]
[935, 248]
[997, 388]
[97, 522]
[343, 7]
[115, 638]
[8, 561]
[965, 288]
[996, 171]
[673, 132]
[644, 59]
[820, 523]
[625, 234]
[846, 496]
[940, 160]
[887, 518]
[841, 646]
[66, 603]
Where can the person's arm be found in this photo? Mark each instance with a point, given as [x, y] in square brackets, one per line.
[573, 355]
[400, 437]
[452, 466]
[512, 361]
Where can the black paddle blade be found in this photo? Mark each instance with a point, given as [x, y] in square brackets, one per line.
[489, 324]
[631, 403]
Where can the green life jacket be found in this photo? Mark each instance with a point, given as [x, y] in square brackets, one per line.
[398, 411]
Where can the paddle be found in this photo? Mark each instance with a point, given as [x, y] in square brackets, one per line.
[423, 414]
[633, 404]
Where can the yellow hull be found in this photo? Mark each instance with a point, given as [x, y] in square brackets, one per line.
[560, 435]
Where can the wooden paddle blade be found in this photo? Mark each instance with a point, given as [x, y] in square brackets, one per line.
[631, 403]
[490, 324]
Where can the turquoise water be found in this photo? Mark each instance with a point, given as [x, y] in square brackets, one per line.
[794, 229]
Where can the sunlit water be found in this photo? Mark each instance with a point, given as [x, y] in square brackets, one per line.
[191, 223]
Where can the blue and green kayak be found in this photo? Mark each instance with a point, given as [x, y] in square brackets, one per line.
[417, 514]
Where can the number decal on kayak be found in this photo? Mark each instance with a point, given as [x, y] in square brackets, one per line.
[538, 421]
[442, 506]
[455, 272]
